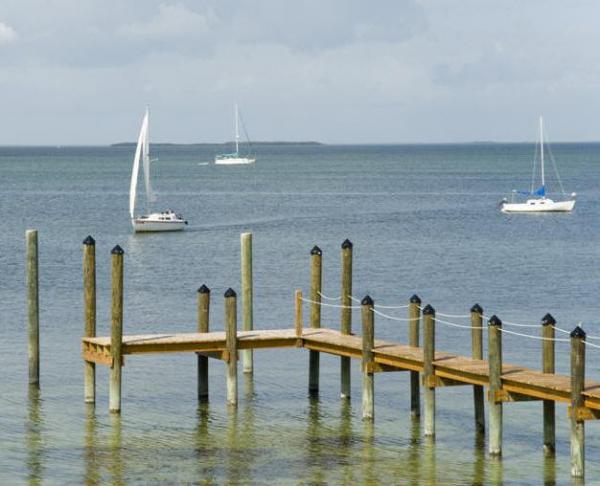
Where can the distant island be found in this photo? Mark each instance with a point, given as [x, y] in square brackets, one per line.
[165, 144]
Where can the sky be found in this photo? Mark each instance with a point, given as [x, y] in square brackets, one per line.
[79, 72]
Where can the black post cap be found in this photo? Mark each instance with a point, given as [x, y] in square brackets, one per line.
[204, 290]
[316, 251]
[230, 292]
[495, 321]
[578, 332]
[89, 241]
[366, 300]
[415, 299]
[347, 244]
[477, 308]
[548, 320]
[117, 250]
[428, 310]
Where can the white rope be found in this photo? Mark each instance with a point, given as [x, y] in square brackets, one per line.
[592, 345]
[331, 305]
[539, 338]
[453, 316]
[447, 323]
[393, 318]
[329, 298]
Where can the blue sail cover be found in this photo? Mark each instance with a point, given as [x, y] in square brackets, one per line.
[539, 192]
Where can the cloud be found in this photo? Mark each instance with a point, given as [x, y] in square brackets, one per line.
[7, 34]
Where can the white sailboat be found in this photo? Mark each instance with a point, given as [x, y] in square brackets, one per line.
[235, 158]
[538, 202]
[163, 221]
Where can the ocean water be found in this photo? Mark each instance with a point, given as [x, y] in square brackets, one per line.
[423, 219]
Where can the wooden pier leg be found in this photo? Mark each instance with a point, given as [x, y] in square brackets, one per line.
[368, 343]
[33, 307]
[298, 324]
[247, 297]
[414, 314]
[203, 320]
[477, 353]
[577, 386]
[89, 314]
[495, 372]
[548, 323]
[116, 337]
[315, 316]
[231, 346]
[346, 314]
[428, 371]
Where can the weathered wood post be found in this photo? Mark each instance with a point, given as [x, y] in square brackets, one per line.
[247, 297]
[428, 371]
[414, 314]
[315, 316]
[477, 353]
[577, 386]
[231, 346]
[116, 337]
[89, 314]
[298, 324]
[346, 314]
[368, 343]
[203, 323]
[33, 307]
[548, 323]
[495, 372]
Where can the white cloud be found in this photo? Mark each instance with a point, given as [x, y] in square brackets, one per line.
[7, 34]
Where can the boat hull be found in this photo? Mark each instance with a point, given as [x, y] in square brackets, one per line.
[234, 161]
[538, 206]
[144, 226]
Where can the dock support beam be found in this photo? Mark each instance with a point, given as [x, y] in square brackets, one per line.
[368, 343]
[203, 320]
[428, 372]
[33, 307]
[116, 337]
[298, 324]
[577, 386]
[89, 314]
[495, 372]
[477, 353]
[414, 314]
[548, 323]
[346, 314]
[247, 297]
[231, 346]
[315, 316]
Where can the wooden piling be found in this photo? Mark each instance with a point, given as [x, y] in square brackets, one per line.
[477, 353]
[368, 343]
[428, 372]
[247, 296]
[548, 324]
[231, 346]
[346, 314]
[89, 314]
[116, 339]
[495, 377]
[298, 324]
[203, 326]
[33, 307]
[577, 402]
[315, 316]
[414, 314]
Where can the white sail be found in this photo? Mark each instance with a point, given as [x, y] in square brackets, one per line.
[150, 196]
[136, 165]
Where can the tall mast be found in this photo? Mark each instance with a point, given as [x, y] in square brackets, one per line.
[237, 134]
[542, 150]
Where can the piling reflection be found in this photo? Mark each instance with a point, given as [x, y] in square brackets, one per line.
[549, 470]
[479, 456]
[346, 442]
[315, 451]
[205, 444]
[34, 437]
[92, 469]
[368, 452]
[116, 466]
[495, 471]
[234, 461]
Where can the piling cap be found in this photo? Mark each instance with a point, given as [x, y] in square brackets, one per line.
[495, 321]
[366, 300]
[204, 290]
[428, 310]
[89, 241]
[316, 251]
[477, 308]
[415, 299]
[347, 244]
[117, 250]
[230, 292]
[578, 333]
[548, 320]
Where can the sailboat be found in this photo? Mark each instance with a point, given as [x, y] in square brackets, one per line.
[538, 202]
[235, 158]
[165, 220]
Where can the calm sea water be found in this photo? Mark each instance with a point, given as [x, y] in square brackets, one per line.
[423, 219]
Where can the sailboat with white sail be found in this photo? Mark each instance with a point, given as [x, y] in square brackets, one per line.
[235, 158]
[163, 221]
[537, 201]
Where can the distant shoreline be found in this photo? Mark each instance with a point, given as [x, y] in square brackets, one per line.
[205, 144]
